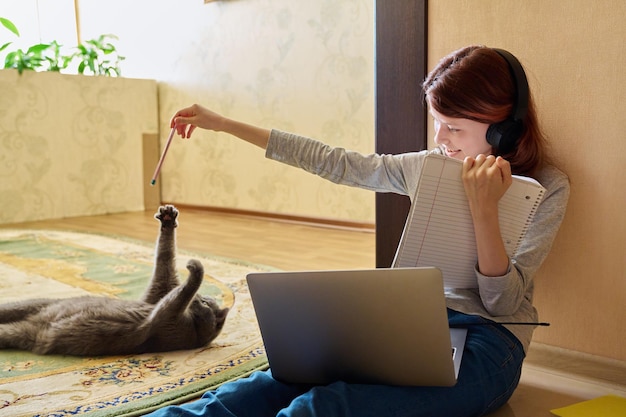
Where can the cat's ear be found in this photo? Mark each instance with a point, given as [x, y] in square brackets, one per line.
[220, 317]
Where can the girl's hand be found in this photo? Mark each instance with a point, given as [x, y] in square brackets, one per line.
[486, 179]
[187, 119]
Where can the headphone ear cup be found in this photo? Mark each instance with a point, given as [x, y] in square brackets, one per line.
[494, 135]
[503, 136]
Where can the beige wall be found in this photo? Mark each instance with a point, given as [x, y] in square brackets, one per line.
[575, 55]
[72, 145]
[300, 66]
[304, 66]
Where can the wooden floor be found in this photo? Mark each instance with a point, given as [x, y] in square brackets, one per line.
[280, 244]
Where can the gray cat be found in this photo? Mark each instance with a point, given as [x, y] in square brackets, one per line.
[168, 317]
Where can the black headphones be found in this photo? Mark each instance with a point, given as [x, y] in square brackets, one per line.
[504, 135]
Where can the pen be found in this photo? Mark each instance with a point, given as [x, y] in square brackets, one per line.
[158, 167]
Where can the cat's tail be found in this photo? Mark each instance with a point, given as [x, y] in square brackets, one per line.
[18, 335]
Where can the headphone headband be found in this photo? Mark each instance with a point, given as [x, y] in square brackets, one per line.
[521, 84]
[504, 135]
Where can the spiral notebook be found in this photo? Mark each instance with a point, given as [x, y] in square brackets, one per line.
[439, 230]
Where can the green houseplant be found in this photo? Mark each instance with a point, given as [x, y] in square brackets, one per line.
[97, 56]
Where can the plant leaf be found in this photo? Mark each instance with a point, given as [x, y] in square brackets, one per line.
[9, 25]
[36, 49]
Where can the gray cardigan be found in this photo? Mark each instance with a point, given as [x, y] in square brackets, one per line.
[507, 298]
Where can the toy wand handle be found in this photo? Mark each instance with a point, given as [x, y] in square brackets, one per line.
[158, 167]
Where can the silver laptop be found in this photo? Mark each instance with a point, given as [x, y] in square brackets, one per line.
[381, 326]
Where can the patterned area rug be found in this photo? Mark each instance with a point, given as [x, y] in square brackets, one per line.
[63, 264]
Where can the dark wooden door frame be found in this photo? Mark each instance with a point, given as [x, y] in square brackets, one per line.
[401, 47]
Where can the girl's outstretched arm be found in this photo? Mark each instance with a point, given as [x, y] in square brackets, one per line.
[188, 119]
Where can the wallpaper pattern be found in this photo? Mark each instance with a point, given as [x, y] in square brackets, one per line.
[305, 67]
[71, 145]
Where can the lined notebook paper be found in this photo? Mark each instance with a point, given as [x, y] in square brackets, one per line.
[439, 230]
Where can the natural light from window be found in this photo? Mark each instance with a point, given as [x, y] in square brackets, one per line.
[39, 21]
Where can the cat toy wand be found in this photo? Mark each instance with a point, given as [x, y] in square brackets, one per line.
[158, 167]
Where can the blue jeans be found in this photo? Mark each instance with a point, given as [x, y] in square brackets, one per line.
[490, 371]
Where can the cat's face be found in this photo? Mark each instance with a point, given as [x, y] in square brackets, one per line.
[205, 309]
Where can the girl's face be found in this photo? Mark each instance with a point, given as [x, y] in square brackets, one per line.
[460, 137]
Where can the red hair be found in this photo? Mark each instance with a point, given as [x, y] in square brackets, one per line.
[476, 83]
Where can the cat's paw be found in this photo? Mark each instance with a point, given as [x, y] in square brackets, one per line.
[167, 216]
[195, 268]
